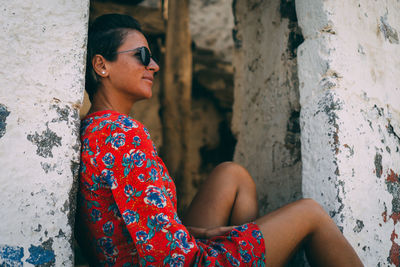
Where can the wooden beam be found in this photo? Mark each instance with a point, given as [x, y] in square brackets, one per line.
[176, 101]
[151, 19]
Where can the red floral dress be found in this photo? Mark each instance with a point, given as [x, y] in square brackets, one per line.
[127, 205]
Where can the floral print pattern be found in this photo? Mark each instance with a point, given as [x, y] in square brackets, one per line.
[127, 205]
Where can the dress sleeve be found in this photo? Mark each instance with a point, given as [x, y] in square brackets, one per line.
[129, 166]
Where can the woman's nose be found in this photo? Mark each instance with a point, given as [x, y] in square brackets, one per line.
[153, 65]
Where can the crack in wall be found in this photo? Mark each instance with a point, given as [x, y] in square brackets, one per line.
[287, 10]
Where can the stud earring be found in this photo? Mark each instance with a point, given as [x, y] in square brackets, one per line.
[103, 72]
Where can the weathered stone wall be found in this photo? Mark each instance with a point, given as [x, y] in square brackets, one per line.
[349, 72]
[266, 98]
[211, 23]
[42, 48]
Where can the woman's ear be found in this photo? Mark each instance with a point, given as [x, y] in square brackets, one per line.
[99, 65]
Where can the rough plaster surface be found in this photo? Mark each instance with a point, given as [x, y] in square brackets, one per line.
[350, 119]
[211, 23]
[266, 101]
[42, 47]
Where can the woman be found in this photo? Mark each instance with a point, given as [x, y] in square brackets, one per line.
[127, 202]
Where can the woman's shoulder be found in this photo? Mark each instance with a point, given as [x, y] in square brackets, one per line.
[106, 126]
[109, 121]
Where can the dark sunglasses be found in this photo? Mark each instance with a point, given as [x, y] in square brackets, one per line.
[142, 53]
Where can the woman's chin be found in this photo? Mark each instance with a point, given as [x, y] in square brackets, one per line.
[147, 91]
[149, 94]
[146, 95]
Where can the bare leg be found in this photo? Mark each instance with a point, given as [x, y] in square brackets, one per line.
[227, 197]
[305, 222]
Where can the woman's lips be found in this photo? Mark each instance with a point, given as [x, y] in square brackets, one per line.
[148, 78]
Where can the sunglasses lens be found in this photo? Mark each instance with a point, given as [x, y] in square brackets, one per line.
[145, 56]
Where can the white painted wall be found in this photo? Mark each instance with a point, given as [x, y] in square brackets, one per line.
[349, 69]
[42, 51]
[350, 118]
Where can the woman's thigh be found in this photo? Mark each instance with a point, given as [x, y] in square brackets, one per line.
[305, 222]
[284, 230]
[227, 197]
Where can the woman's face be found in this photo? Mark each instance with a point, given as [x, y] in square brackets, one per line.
[127, 75]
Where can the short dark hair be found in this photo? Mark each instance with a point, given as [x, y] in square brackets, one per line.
[106, 34]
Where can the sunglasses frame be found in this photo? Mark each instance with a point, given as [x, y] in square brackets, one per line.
[144, 52]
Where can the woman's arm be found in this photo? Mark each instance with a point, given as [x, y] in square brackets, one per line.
[145, 204]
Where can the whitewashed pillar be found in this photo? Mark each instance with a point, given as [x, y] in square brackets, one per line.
[42, 59]
[349, 69]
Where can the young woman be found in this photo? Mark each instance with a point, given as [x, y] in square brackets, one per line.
[127, 200]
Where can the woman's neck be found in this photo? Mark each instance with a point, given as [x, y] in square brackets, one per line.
[103, 101]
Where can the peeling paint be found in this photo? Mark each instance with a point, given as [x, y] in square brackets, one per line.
[393, 187]
[340, 191]
[354, 139]
[391, 131]
[392, 177]
[361, 49]
[394, 254]
[384, 213]
[351, 149]
[328, 29]
[378, 165]
[60, 234]
[76, 126]
[359, 226]
[42, 127]
[327, 83]
[389, 32]
[47, 167]
[42, 255]
[11, 256]
[38, 229]
[63, 113]
[45, 142]
[329, 105]
[3, 116]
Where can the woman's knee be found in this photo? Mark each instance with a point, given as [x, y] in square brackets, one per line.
[233, 172]
[313, 205]
[314, 211]
[230, 168]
